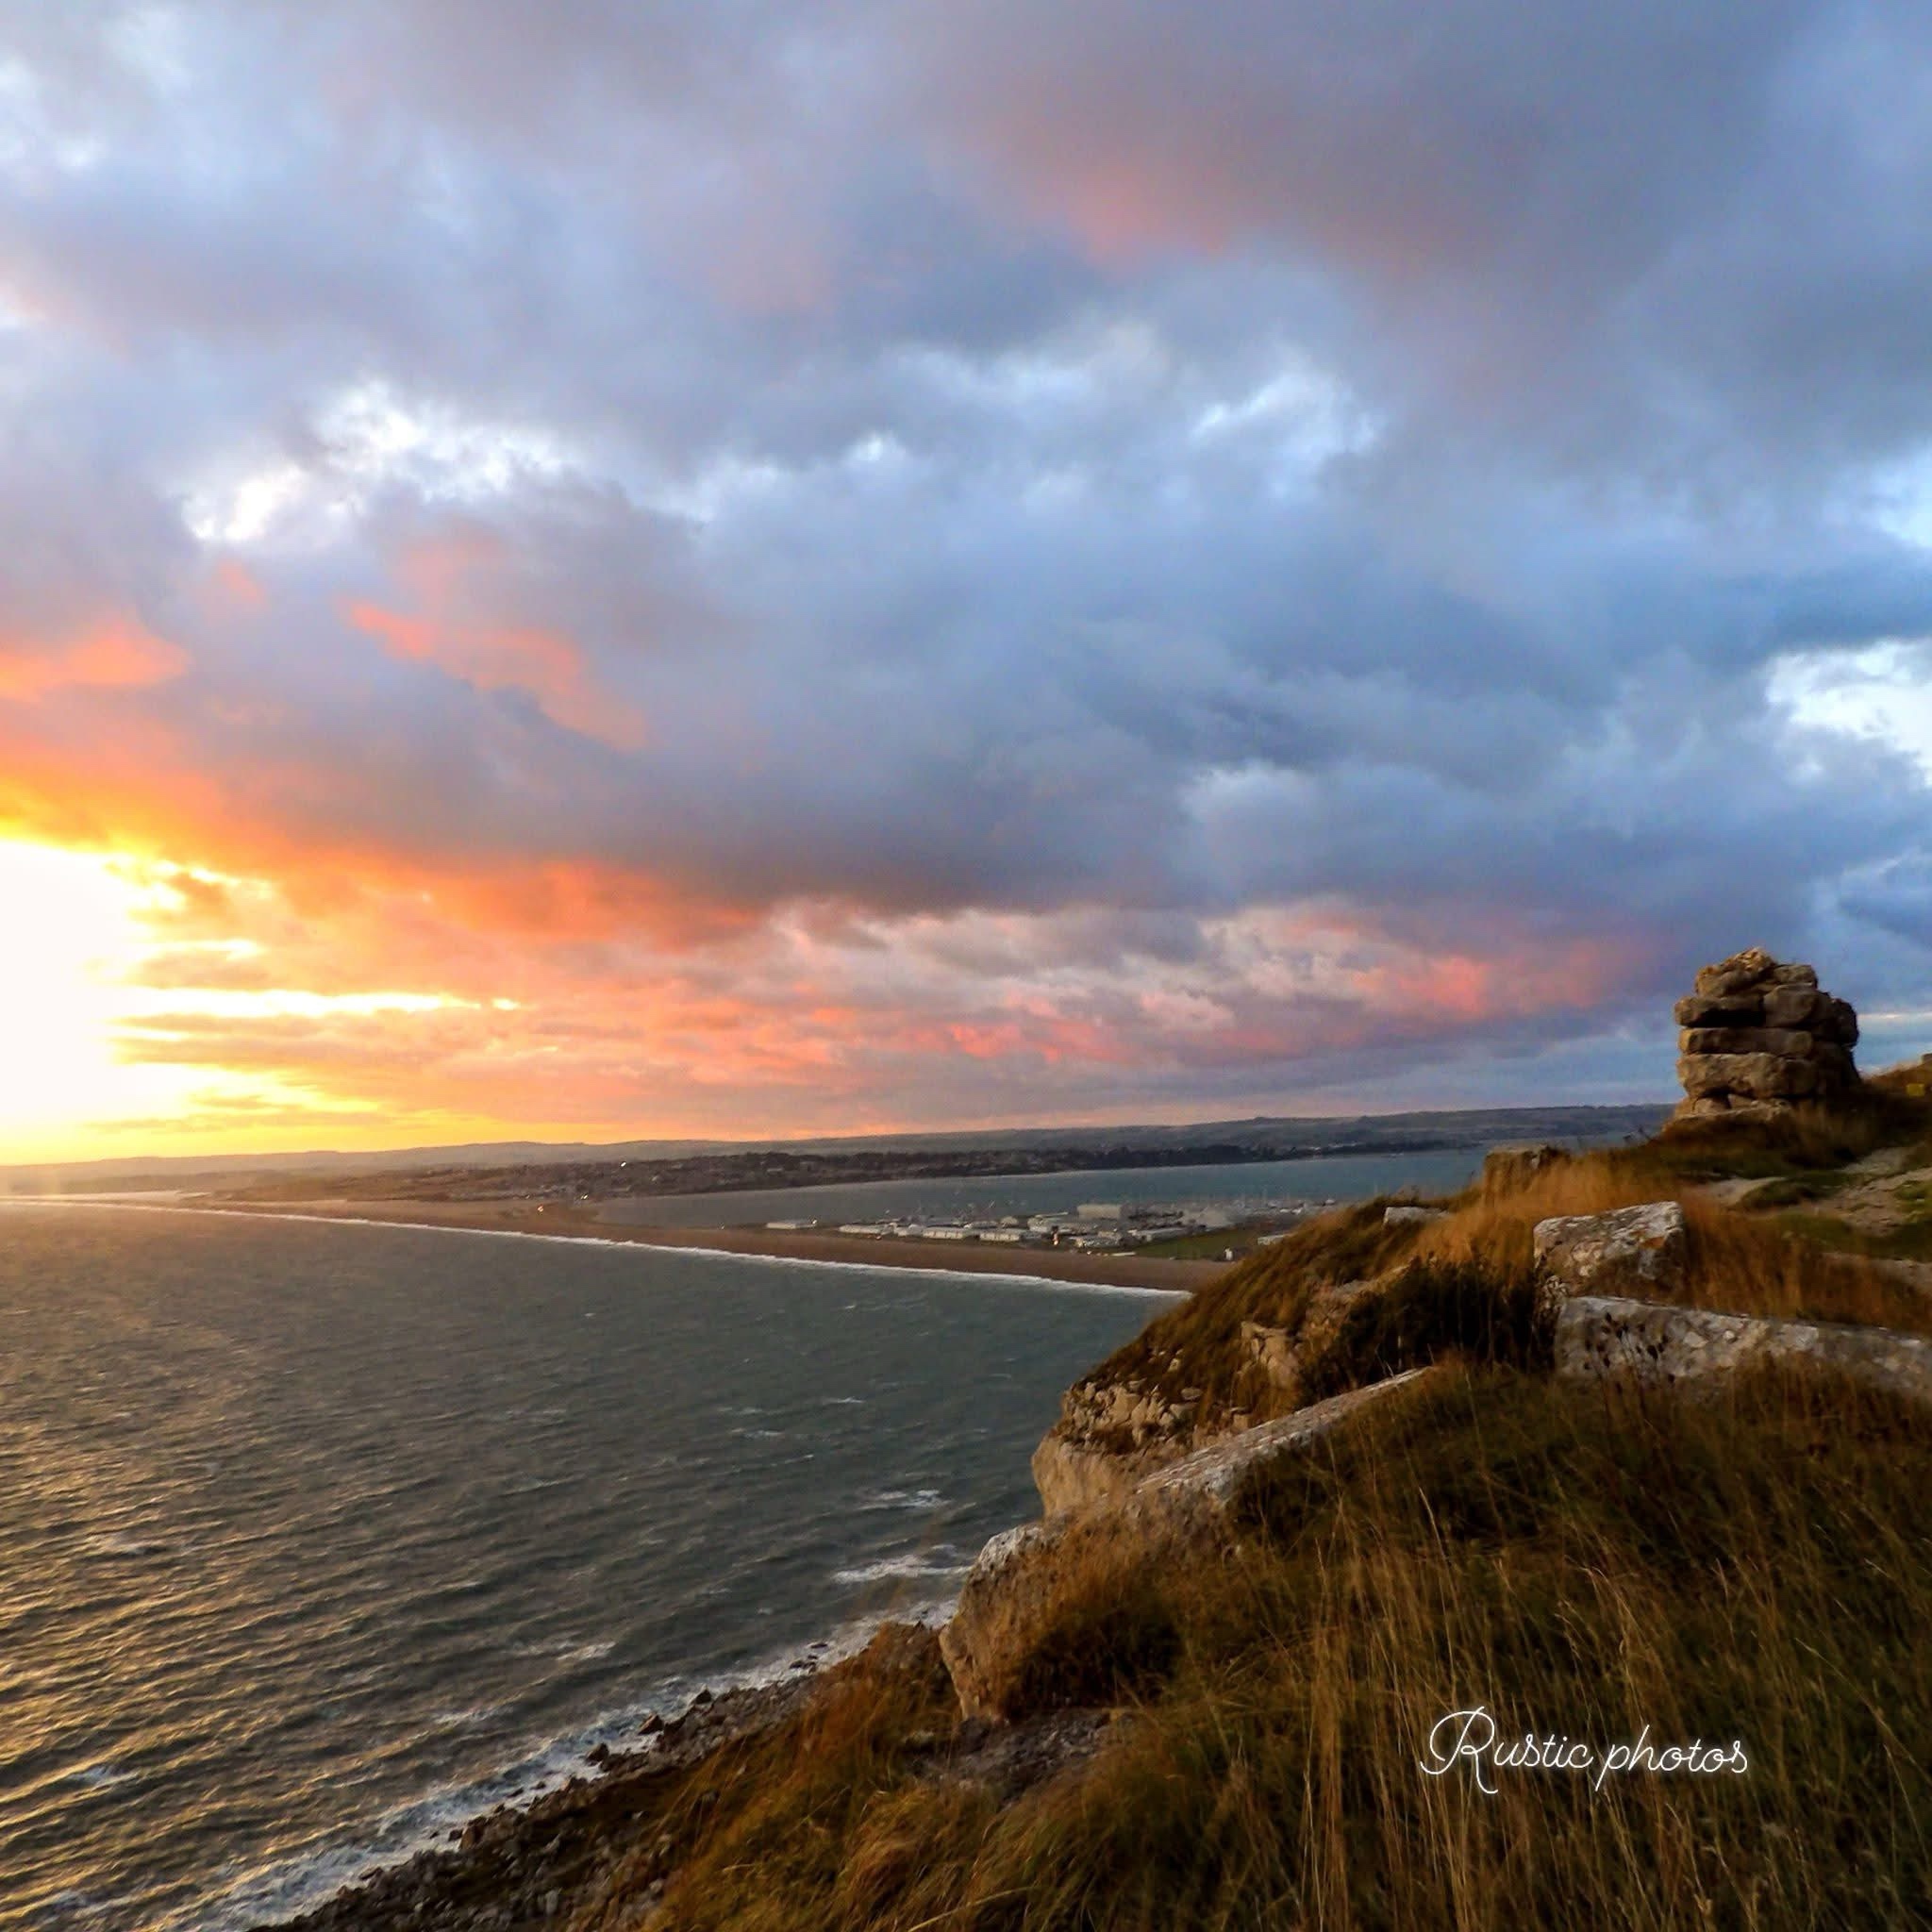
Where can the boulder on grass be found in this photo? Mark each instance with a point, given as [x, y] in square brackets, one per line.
[1507, 1170]
[1599, 1338]
[1640, 1250]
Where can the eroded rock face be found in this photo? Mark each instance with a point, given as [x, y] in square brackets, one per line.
[1009, 1597]
[1273, 1351]
[1113, 1433]
[1109, 1435]
[1758, 1036]
[1200, 1488]
[1074, 1476]
[1600, 1337]
[1637, 1250]
[1508, 1169]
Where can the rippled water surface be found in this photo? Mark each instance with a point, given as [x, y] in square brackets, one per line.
[315, 1540]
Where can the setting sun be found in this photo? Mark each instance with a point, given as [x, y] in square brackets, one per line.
[63, 993]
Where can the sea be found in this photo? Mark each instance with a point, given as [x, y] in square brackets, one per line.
[1239, 1186]
[318, 1539]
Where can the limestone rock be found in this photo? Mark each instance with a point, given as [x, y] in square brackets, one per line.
[1758, 1037]
[1071, 1475]
[1506, 1169]
[1599, 1336]
[1010, 1595]
[1729, 1106]
[1741, 972]
[1404, 1215]
[1199, 1488]
[1799, 1006]
[1271, 1350]
[1629, 1249]
[1703, 1010]
[1753, 1075]
[1778, 1040]
[1109, 1435]
[1005, 1603]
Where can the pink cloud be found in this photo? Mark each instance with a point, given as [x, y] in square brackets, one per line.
[119, 653]
[544, 663]
[458, 582]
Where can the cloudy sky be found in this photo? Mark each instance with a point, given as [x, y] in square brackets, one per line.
[600, 569]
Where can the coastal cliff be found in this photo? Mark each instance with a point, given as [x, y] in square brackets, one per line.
[1622, 1455]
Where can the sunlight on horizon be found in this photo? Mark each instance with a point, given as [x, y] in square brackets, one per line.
[62, 998]
[72, 991]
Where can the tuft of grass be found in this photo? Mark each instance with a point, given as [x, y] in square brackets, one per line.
[797, 1827]
[1114, 1632]
[1430, 1311]
[1910, 1241]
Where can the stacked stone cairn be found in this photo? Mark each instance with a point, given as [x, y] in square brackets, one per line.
[1758, 1037]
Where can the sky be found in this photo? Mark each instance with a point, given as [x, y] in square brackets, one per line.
[604, 570]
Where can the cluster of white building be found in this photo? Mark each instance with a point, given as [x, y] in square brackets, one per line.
[1093, 1225]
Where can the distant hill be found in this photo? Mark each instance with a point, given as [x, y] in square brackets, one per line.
[1262, 1137]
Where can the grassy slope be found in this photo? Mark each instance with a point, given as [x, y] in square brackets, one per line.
[1587, 1564]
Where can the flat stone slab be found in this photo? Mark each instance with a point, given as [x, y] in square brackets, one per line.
[1628, 1248]
[1210, 1477]
[1599, 1336]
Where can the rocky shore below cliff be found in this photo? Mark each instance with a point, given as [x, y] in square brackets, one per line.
[528, 1864]
[623, 1827]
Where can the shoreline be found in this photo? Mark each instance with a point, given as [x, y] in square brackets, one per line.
[462, 1833]
[1050, 1267]
[540, 1859]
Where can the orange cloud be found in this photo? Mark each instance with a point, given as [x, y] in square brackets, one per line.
[1124, 207]
[120, 651]
[576, 997]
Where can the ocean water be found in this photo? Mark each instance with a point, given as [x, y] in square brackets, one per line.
[316, 1539]
[1241, 1184]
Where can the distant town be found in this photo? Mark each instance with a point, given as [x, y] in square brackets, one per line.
[1093, 1227]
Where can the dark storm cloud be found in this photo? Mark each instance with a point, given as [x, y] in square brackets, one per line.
[1098, 462]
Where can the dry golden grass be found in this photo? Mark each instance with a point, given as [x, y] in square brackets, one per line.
[1885, 1112]
[1759, 1571]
